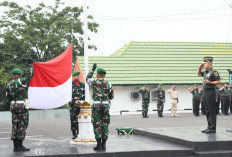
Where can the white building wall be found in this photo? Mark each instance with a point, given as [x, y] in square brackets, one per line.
[122, 99]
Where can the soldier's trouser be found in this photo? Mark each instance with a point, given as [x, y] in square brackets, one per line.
[20, 120]
[226, 103]
[101, 120]
[173, 106]
[74, 111]
[222, 106]
[160, 107]
[145, 106]
[218, 105]
[196, 106]
[231, 106]
[209, 98]
[203, 108]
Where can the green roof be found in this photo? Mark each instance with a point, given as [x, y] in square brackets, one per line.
[139, 63]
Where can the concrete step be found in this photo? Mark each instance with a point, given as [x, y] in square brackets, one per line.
[190, 137]
[213, 154]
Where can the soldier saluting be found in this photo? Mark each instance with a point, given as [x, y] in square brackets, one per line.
[102, 94]
[16, 92]
[211, 79]
[145, 100]
[196, 99]
[78, 93]
[161, 99]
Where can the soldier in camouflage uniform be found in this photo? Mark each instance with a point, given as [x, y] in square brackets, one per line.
[78, 93]
[225, 98]
[196, 99]
[102, 94]
[161, 99]
[230, 91]
[16, 92]
[145, 100]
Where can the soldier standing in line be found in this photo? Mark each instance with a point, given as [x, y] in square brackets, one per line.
[78, 93]
[161, 99]
[102, 94]
[202, 102]
[211, 79]
[230, 91]
[174, 100]
[17, 94]
[196, 99]
[145, 100]
[225, 98]
[218, 98]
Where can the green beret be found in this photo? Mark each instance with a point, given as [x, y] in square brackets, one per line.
[76, 73]
[208, 59]
[17, 71]
[145, 86]
[160, 84]
[101, 71]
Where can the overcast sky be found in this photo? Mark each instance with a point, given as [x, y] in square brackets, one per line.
[122, 21]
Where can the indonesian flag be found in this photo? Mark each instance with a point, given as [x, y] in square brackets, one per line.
[51, 85]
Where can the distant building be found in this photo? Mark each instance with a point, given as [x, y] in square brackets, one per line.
[150, 63]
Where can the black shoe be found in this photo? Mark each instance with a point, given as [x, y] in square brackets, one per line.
[74, 134]
[22, 147]
[161, 116]
[103, 144]
[205, 130]
[210, 131]
[98, 146]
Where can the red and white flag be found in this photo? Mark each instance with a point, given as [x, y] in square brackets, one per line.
[51, 85]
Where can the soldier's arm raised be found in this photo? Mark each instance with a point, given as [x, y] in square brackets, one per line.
[90, 74]
[199, 70]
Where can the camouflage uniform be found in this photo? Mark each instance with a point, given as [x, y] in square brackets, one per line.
[102, 94]
[145, 101]
[230, 91]
[225, 99]
[161, 100]
[16, 92]
[78, 93]
[196, 101]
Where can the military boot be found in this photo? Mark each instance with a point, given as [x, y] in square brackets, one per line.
[99, 146]
[103, 144]
[16, 146]
[22, 147]
[143, 114]
[74, 134]
[146, 115]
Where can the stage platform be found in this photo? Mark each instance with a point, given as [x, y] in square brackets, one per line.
[203, 145]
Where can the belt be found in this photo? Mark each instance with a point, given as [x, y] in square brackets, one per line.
[18, 102]
[101, 102]
[174, 98]
[207, 89]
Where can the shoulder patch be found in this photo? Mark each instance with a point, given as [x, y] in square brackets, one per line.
[216, 73]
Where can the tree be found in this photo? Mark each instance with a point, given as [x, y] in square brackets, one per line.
[39, 33]
[44, 32]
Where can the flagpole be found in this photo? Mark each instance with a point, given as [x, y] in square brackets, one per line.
[86, 57]
[86, 134]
